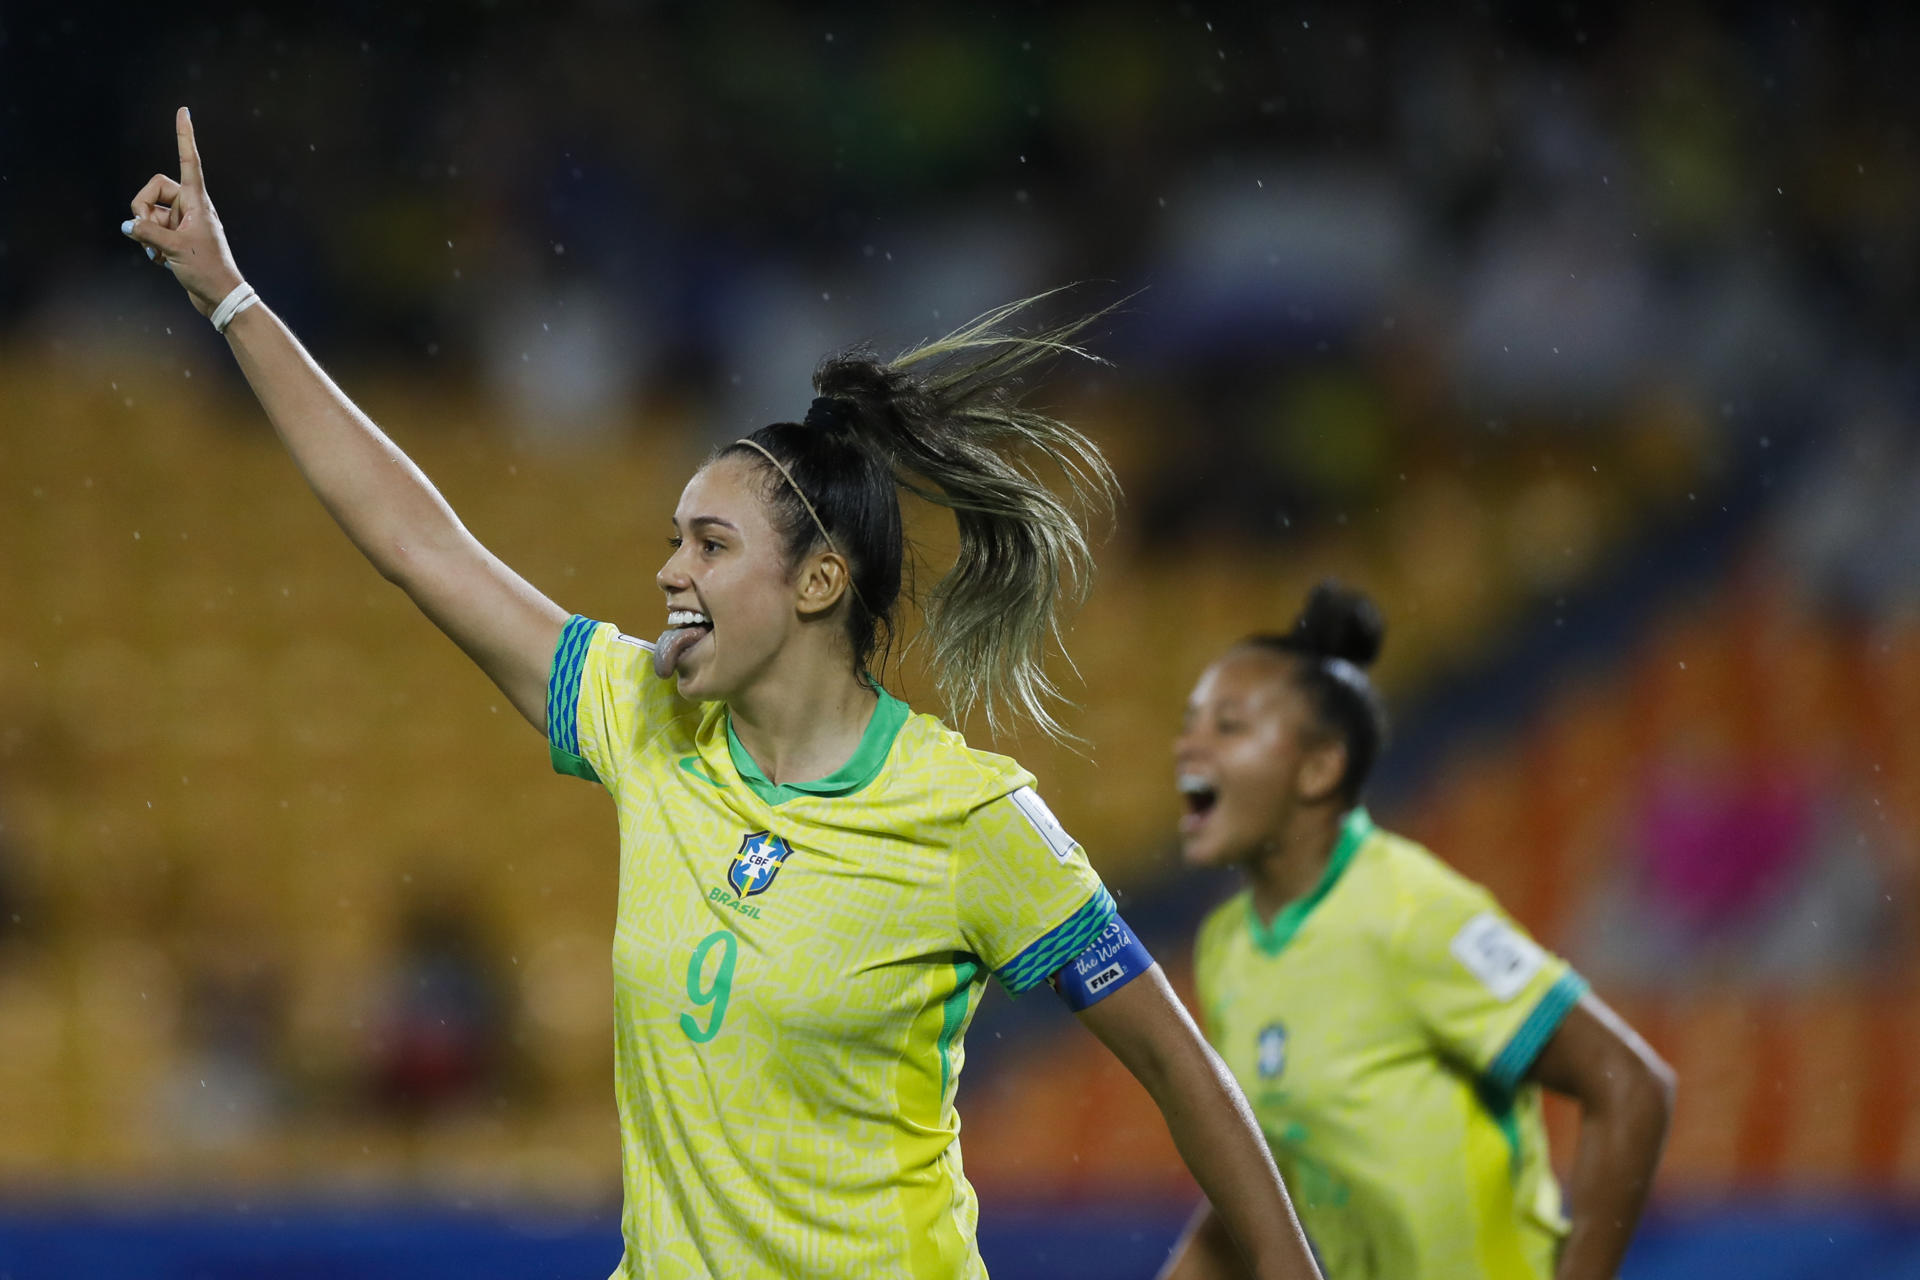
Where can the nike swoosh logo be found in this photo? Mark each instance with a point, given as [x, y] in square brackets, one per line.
[692, 765]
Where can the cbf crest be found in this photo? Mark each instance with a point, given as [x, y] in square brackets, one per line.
[757, 862]
[1271, 1056]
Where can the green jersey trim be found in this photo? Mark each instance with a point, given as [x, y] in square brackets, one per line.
[1510, 1130]
[889, 714]
[954, 1017]
[563, 698]
[1044, 956]
[691, 764]
[1512, 1061]
[572, 765]
[1273, 938]
[1499, 1105]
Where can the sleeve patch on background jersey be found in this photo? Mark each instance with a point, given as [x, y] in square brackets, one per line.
[1028, 801]
[1504, 959]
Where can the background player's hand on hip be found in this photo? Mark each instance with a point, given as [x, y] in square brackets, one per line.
[177, 224]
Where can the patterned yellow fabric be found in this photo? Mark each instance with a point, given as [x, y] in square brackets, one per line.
[794, 969]
[1382, 1028]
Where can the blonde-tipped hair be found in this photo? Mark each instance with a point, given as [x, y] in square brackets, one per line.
[943, 421]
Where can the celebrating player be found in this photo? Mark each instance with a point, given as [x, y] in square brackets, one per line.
[814, 881]
[1390, 1025]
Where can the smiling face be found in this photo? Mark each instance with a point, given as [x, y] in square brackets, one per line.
[731, 599]
[1249, 755]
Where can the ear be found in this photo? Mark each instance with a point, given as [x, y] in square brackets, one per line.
[824, 578]
[1321, 768]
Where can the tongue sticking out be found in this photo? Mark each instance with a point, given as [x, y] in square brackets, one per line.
[674, 642]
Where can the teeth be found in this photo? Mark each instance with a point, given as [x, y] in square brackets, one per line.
[686, 618]
[1192, 784]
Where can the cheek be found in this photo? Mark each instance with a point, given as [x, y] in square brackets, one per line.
[749, 603]
[1263, 772]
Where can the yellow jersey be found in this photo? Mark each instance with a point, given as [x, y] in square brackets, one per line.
[1382, 1028]
[794, 969]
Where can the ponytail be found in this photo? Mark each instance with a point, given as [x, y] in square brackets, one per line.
[943, 422]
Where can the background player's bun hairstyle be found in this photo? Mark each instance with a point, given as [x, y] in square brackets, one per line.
[943, 421]
[1336, 638]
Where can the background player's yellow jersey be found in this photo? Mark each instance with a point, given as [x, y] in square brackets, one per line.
[1381, 1027]
[794, 967]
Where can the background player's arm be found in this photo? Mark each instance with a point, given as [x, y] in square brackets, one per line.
[1625, 1092]
[1148, 1029]
[1204, 1251]
[386, 505]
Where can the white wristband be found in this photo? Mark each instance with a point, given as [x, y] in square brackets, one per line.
[232, 305]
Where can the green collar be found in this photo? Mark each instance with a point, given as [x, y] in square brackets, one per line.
[860, 769]
[1273, 938]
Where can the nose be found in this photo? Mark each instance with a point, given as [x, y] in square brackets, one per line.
[1187, 744]
[672, 577]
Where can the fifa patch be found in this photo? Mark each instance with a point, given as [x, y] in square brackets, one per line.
[1502, 957]
[757, 862]
[1270, 1051]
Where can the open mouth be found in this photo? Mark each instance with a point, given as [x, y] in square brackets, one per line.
[685, 629]
[1200, 796]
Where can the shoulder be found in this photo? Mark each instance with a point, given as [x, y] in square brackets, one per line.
[632, 654]
[639, 650]
[1415, 876]
[606, 677]
[1390, 896]
[1428, 903]
[580, 631]
[586, 642]
[928, 756]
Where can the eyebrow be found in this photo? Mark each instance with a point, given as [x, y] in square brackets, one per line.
[696, 521]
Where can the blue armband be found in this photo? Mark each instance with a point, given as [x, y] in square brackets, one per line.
[1112, 960]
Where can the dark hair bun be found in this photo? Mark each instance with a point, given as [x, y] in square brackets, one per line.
[871, 400]
[1339, 622]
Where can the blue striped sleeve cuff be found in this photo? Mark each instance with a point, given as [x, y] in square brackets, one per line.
[1512, 1062]
[1058, 945]
[563, 698]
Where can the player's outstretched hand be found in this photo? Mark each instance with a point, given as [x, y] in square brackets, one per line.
[181, 232]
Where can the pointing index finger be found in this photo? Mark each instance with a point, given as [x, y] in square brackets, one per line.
[189, 153]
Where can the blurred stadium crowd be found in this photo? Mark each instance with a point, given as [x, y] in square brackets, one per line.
[1581, 340]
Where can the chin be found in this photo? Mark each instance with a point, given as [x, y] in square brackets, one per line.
[1218, 848]
[1201, 853]
[690, 685]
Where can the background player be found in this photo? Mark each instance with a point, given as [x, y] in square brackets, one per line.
[813, 881]
[1390, 1025]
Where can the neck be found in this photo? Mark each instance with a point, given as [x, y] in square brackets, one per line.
[805, 724]
[1291, 863]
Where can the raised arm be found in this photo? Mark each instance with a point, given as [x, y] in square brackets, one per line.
[386, 505]
[1625, 1092]
[1148, 1029]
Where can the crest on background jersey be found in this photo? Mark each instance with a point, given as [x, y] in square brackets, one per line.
[757, 862]
[1270, 1057]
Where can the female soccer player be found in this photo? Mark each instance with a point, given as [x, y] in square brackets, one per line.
[1390, 1025]
[814, 881]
